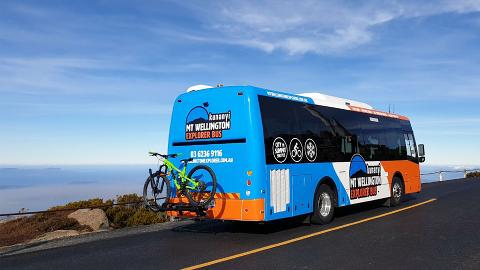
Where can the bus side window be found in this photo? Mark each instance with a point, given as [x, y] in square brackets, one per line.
[346, 146]
[401, 148]
[278, 121]
[410, 144]
[314, 123]
[373, 147]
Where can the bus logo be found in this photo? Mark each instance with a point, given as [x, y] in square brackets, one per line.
[201, 124]
[364, 178]
[280, 150]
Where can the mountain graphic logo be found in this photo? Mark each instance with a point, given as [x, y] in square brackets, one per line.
[358, 167]
[197, 115]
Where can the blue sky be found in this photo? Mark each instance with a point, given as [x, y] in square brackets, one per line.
[85, 82]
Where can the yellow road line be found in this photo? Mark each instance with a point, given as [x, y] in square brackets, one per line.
[257, 250]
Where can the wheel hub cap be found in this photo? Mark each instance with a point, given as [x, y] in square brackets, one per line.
[325, 204]
[397, 191]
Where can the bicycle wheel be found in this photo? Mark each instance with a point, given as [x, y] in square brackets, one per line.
[204, 193]
[156, 191]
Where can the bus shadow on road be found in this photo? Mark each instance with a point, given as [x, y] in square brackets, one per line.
[368, 206]
[217, 226]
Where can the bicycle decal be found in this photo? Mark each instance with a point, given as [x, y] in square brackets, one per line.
[310, 150]
[296, 150]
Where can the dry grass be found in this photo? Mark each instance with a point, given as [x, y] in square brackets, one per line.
[473, 174]
[28, 228]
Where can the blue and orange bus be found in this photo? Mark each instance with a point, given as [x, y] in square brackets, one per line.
[278, 155]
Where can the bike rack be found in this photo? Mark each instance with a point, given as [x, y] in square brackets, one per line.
[181, 207]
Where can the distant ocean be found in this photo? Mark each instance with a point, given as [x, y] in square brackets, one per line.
[38, 188]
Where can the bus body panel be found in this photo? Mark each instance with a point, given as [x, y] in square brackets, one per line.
[277, 190]
[356, 179]
[300, 185]
[229, 148]
[410, 172]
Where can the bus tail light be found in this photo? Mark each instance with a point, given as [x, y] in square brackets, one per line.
[249, 182]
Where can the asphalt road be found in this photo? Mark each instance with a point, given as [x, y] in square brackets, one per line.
[444, 234]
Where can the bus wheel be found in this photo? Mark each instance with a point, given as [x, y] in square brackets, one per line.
[324, 206]
[397, 191]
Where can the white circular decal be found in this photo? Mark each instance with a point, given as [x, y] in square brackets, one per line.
[280, 151]
[310, 150]
[296, 150]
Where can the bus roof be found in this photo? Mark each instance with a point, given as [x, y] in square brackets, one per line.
[312, 98]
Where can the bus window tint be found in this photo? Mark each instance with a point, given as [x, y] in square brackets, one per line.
[312, 124]
[410, 144]
[374, 139]
[278, 121]
[337, 133]
[395, 144]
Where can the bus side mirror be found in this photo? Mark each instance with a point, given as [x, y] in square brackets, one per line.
[421, 153]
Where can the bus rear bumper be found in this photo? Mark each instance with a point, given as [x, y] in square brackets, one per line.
[227, 209]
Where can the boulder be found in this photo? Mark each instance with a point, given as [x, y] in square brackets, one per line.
[57, 234]
[95, 218]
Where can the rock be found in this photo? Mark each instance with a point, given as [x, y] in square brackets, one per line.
[95, 218]
[56, 235]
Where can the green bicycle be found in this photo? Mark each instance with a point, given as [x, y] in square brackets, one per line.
[199, 185]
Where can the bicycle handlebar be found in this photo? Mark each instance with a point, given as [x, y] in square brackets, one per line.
[154, 154]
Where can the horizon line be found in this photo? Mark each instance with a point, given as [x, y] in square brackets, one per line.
[46, 165]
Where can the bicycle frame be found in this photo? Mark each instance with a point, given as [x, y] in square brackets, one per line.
[179, 174]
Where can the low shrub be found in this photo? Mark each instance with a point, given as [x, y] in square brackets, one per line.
[28, 228]
[120, 216]
[132, 214]
[145, 217]
[95, 202]
[129, 198]
[473, 174]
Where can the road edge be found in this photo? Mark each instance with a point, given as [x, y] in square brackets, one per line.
[88, 237]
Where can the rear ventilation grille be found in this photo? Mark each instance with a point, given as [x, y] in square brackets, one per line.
[279, 190]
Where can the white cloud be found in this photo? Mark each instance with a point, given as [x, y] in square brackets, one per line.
[118, 108]
[63, 75]
[299, 27]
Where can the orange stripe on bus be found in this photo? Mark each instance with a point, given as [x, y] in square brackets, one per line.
[227, 196]
[229, 209]
[378, 113]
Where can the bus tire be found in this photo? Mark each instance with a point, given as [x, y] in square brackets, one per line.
[397, 191]
[324, 206]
